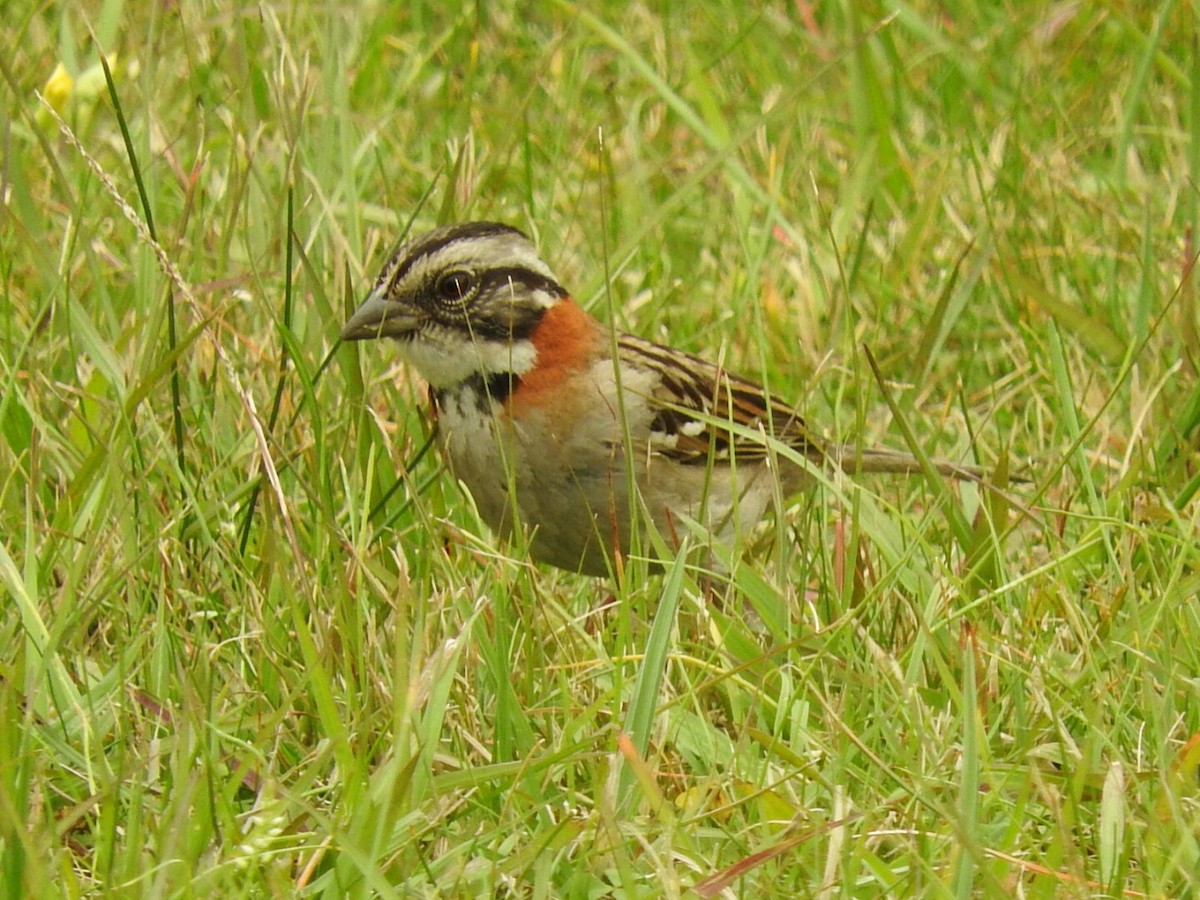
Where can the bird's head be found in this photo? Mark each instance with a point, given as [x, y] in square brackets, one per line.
[463, 301]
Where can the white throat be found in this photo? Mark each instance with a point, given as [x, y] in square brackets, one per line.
[444, 368]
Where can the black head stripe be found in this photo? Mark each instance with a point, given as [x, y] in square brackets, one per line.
[507, 309]
[501, 277]
[441, 238]
[505, 306]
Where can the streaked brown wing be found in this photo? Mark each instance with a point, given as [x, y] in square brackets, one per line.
[693, 397]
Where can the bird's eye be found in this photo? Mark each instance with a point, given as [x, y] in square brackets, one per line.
[455, 286]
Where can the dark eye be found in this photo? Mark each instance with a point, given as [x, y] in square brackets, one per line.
[455, 286]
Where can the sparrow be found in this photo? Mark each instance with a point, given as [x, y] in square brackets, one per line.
[558, 426]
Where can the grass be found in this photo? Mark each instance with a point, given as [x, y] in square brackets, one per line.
[258, 644]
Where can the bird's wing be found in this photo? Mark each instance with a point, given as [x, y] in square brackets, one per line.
[693, 402]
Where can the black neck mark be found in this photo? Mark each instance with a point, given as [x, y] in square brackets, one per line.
[486, 389]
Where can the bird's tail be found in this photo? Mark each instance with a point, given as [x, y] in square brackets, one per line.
[856, 460]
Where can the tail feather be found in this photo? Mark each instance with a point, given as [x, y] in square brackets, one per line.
[854, 461]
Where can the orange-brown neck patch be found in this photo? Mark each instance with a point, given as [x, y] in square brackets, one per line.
[566, 341]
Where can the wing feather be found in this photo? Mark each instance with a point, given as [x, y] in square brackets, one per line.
[691, 398]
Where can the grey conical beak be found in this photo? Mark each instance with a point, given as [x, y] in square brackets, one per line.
[379, 317]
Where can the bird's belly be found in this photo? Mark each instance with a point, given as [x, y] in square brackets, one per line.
[570, 490]
[571, 497]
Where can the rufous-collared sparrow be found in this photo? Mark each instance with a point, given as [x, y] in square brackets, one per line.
[553, 422]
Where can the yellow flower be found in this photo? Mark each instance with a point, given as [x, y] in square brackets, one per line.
[58, 87]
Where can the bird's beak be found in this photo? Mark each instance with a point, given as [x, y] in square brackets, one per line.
[379, 317]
